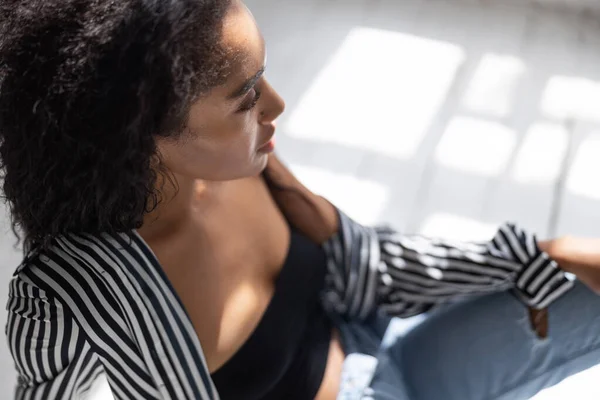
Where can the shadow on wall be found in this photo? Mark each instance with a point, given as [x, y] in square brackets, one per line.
[440, 117]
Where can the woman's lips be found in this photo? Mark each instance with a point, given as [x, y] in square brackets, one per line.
[270, 145]
[267, 147]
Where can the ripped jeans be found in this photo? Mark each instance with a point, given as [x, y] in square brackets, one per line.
[480, 349]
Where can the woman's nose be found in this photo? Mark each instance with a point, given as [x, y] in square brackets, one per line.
[273, 106]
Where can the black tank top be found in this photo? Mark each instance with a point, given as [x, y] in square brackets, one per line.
[286, 355]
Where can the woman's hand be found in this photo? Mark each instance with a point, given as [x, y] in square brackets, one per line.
[312, 215]
[579, 256]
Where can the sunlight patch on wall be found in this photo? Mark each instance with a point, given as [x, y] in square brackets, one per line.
[476, 146]
[540, 158]
[567, 97]
[362, 200]
[457, 227]
[380, 91]
[493, 86]
[582, 178]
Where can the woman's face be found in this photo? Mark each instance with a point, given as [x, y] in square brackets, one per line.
[229, 131]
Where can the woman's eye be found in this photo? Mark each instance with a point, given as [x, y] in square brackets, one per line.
[249, 105]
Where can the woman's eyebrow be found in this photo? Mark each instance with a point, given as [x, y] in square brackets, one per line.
[245, 88]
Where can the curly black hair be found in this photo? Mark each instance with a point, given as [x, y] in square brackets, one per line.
[86, 87]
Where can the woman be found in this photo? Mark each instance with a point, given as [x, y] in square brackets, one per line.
[168, 248]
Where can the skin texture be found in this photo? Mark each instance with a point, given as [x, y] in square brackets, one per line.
[218, 231]
[218, 209]
[579, 256]
[221, 142]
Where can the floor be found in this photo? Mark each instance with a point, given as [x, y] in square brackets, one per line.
[444, 117]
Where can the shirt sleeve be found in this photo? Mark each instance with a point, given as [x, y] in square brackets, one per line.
[52, 359]
[405, 275]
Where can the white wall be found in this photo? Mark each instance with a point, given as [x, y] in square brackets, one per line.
[415, 186]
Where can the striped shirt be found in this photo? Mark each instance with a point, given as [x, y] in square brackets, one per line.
[101, 304]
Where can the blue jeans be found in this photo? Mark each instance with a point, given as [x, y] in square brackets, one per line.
[480, 349]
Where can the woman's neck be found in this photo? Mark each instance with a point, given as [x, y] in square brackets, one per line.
[177, 199]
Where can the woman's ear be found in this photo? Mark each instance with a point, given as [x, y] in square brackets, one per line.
[310, 214]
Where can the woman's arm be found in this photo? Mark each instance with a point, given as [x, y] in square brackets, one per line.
[310, 214]
[405, 275]
[579, 256]
[51, 355]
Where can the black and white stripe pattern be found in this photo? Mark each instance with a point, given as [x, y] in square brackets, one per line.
[409, 274]
[52, 357]
[102, 305]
